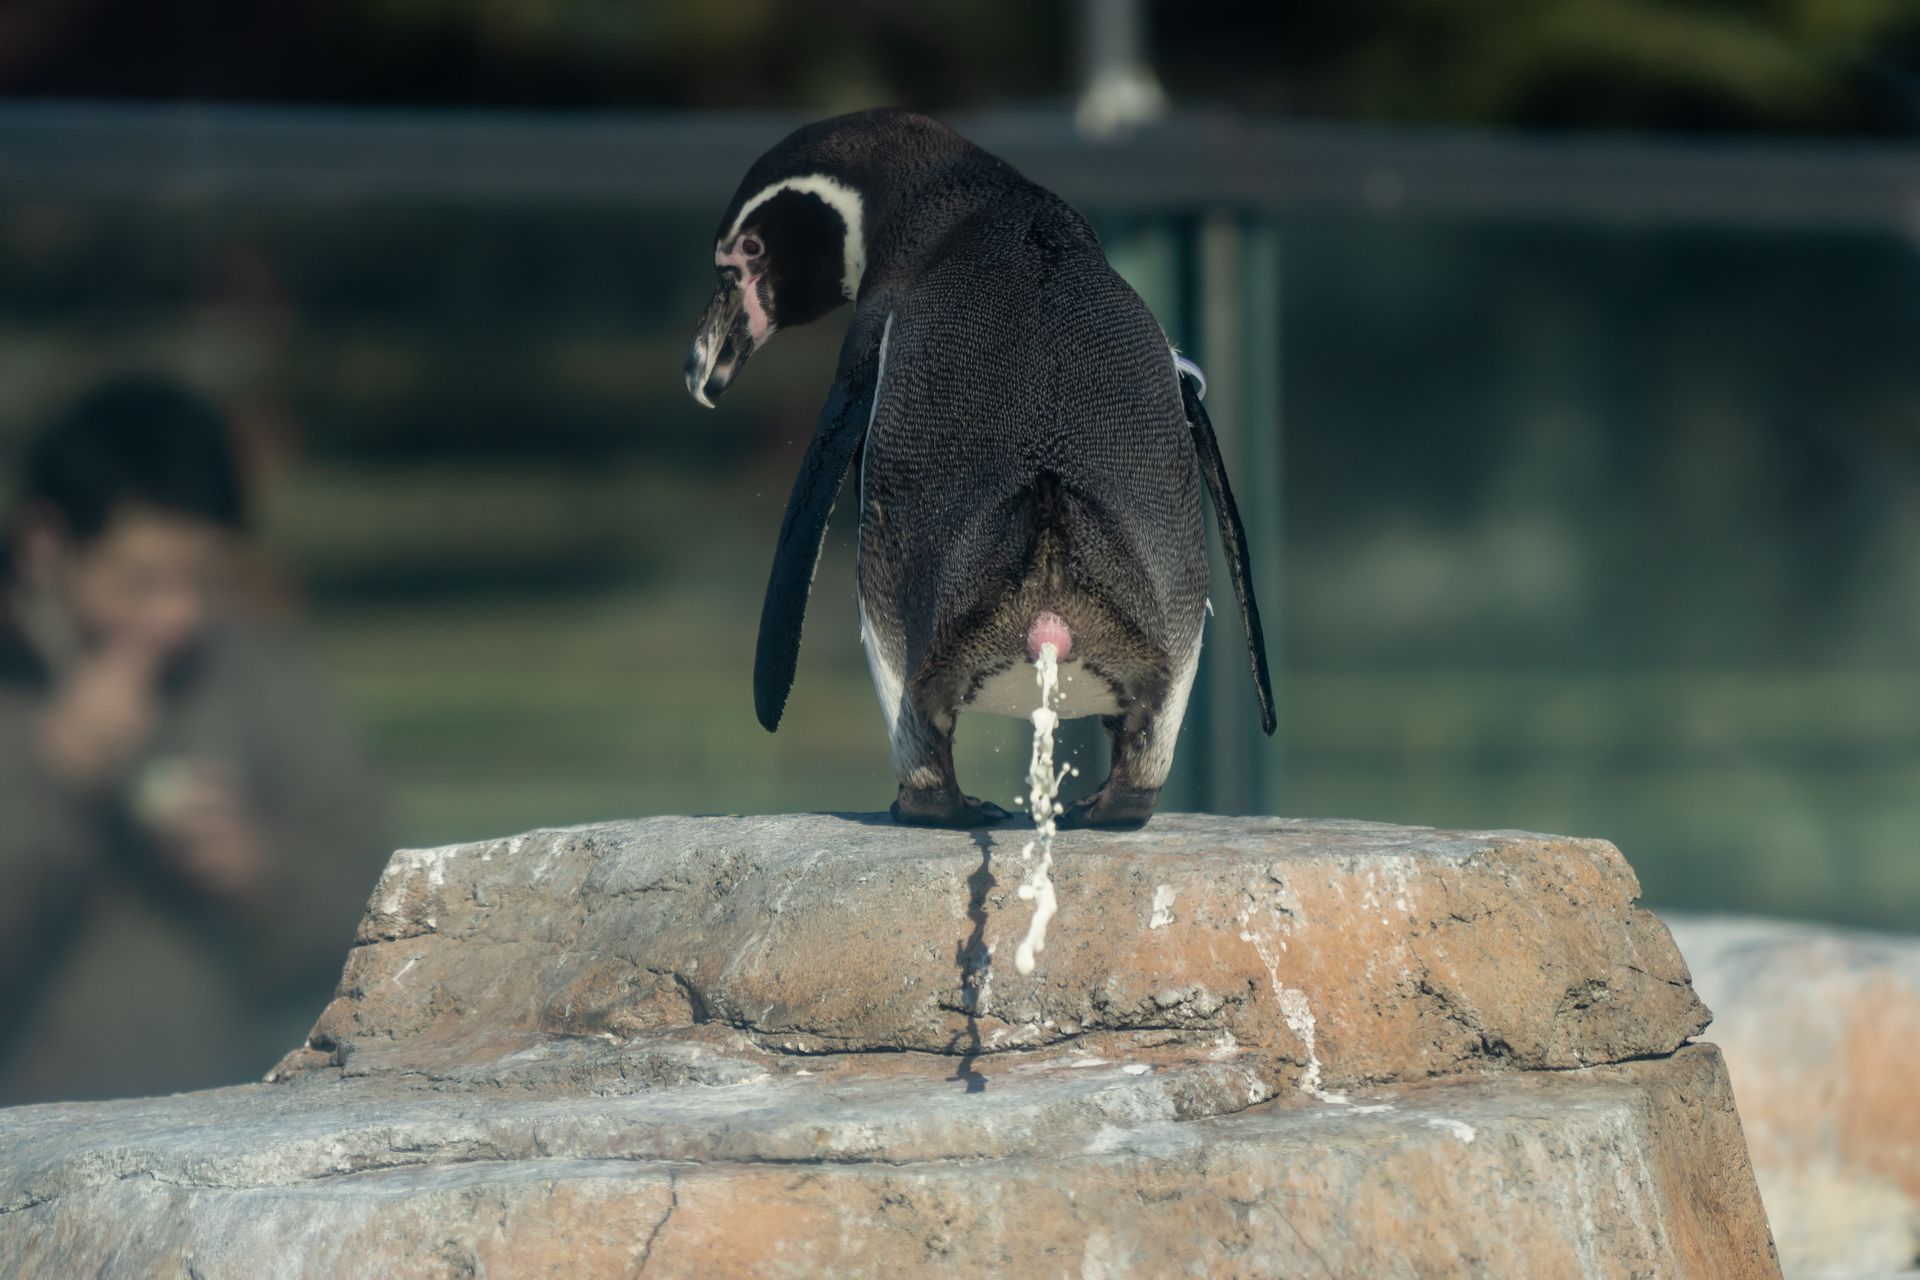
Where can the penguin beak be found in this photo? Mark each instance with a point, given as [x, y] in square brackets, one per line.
[721, 344]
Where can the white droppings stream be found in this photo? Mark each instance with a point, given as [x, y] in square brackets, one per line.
[1043, 801]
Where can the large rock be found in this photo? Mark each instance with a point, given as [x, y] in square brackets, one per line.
[782, 1046]
[1821, 1029]
[1340, 952]
[1075, 1165]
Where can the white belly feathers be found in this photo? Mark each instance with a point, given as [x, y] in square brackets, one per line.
[1011, 693]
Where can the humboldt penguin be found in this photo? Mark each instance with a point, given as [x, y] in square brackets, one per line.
[1027, 448]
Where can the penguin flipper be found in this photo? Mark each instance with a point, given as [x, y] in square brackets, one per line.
[1233, 538]
[803, 530]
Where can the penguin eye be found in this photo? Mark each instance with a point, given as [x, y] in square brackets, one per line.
[752, 247]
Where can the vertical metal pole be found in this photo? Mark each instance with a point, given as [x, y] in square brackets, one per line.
[1229, 769]
[1155, 256]
[1240, 350]
[1259, 486]
[1117, 87]
[1215, 286]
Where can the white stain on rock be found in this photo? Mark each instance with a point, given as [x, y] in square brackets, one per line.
[408, 867]
[1458, 1128]
[1162, 916]
[1284, 914]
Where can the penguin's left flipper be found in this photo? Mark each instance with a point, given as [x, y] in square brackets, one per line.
[1233, 538]
[835, 444]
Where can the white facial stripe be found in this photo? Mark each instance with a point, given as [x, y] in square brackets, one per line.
[843, 200]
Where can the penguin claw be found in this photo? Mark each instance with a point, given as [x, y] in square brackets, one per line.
[1112, 808]
[918, 809]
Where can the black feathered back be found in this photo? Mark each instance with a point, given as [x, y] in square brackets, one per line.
[1015, 419]
[1016, 353]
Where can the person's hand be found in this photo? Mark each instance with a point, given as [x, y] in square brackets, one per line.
[101, 717]
[205, 829]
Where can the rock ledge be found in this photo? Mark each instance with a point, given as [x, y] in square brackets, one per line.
[779, 1046]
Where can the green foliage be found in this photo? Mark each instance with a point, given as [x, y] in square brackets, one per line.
[1764, 63]
[1686, 64]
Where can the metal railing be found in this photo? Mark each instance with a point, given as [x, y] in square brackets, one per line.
[1190, 163]
[1190, 208]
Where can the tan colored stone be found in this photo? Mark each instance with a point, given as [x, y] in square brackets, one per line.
[1821, 1029]
[1374, 953]
[775, 1047]
[1635, 1170]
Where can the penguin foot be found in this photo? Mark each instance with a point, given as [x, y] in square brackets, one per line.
[916, 808]
[1117, 807]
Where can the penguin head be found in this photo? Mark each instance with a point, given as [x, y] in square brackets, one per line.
[790, 249]
[793, 243]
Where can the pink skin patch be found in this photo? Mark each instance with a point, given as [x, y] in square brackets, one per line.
[1049, 628]
[759, 323]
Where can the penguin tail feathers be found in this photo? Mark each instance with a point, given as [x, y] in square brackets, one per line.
[1049, 498]
[1056, 514]
[1053, 520]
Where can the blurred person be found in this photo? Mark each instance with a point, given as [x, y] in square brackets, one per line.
[186, 834]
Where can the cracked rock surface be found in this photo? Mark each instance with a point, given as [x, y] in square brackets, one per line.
[782, 1046]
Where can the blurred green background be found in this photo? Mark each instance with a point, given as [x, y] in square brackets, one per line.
[1599, 524]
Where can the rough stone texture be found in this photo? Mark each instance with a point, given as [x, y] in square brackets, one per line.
[1074, 1166]
[717, 1047]
[1381, 953]
[1821, 1030]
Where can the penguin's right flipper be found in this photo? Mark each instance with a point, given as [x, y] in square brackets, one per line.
[1233, 538]
[836, 442]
